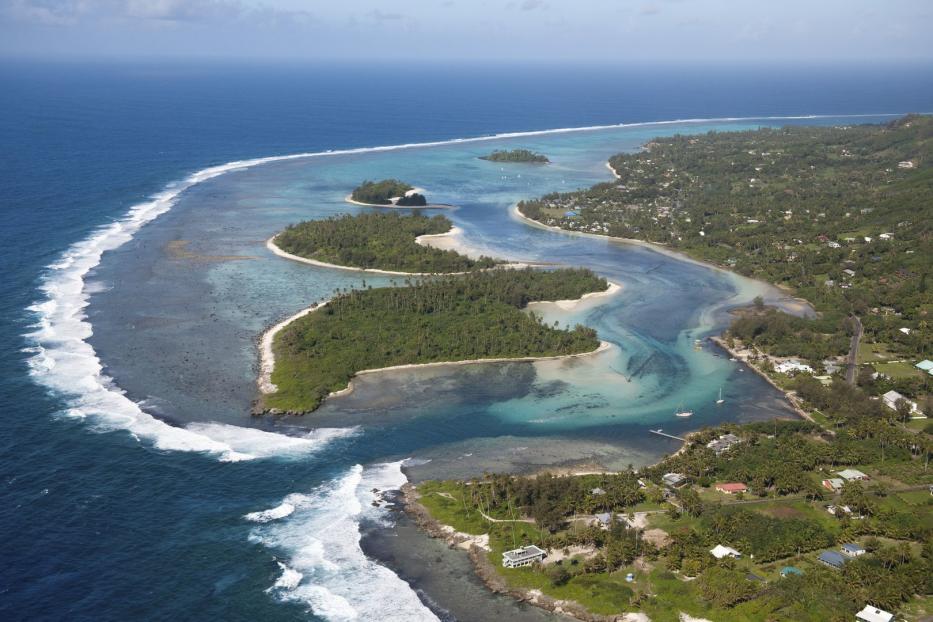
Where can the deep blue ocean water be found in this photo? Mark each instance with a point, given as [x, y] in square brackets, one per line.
[97, 526]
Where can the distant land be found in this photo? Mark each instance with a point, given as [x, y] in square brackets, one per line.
[516, 155]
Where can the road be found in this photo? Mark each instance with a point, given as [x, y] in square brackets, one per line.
[852, 363]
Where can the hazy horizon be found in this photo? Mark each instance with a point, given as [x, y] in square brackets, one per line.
[665, 31]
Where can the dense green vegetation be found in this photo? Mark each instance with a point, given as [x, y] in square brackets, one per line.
[476, 316]
[781, 521]
[384, 241]
[380, 192]
[841, 216]
[516, 155]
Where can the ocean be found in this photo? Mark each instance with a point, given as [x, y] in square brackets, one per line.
[135, 484]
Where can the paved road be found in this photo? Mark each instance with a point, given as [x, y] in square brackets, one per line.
[852, 364]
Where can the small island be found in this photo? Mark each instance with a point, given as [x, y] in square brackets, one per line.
[388, 192]
[516, 155]
[476, 317]
[378, 241]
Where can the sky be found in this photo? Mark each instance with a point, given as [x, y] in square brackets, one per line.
[801, 31]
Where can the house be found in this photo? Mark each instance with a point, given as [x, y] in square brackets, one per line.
[675, 480]
[833, 244]
[838, 510]
[885, 236]
[731, 488]
[852, 474]
[787, 571]
[905, 164]
[873, 614]
[849, 273]
[904, 330]
[786, 367]
[832, 559]
[597, 491]
[891, 399]
[604, 519]
[852, 550]
[925, 365]
[721, 551]
[833, 484]
[523, 556]
[723, 443]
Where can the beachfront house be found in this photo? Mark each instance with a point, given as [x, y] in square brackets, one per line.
[852, 549]
[523, 556]
[723, 443]
[851, 475]
[732, 488]
[832, 559]
[792, 366]
[833, 484]
[721, 551]
[674, 480]
[873, 614]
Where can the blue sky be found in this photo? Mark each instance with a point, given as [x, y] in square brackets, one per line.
[613, 30]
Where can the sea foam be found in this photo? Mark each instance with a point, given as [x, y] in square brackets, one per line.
[63, 361]
[325, 568]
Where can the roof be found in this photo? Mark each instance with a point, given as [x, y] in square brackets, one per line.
[732, 487]
[720, 551]
[835, 482]
[851, 547]
[603, 517]
[925, 365]
[598, 491]
[852, 474]
[786, 570]
[873, 614]
[525, 552]
[832, 558]
[892, 396]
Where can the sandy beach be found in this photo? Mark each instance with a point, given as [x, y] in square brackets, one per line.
[270, 244]
[577, 304]
[793, 304]
[267, 356]
[349, 199]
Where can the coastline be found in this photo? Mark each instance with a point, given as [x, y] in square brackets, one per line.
[657, 247]
[267, 354]
[271, 245]
[349, 199]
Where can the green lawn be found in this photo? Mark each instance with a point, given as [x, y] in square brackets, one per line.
[898, 370]
[873, 353]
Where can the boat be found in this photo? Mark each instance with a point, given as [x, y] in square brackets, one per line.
[683, 413]
[720, 400]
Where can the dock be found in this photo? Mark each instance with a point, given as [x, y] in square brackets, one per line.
[665, 434]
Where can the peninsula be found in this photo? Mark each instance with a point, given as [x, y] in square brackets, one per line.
[378, 241]
[475, 317]
[516, 155]
[388, 192]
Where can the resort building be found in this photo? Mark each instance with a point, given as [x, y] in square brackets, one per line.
[832, 559]
[851, 475]
[873, 614]
[675, 480]
[731, 488]
[852, 550]
[721, 551]
[834, 484]
[524, 556]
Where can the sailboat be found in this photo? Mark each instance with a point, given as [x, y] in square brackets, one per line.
[720, 400]
[683, 413]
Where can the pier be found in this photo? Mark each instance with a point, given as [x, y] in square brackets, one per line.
[665, 434]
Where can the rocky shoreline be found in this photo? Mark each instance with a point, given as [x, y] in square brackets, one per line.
[487, 572]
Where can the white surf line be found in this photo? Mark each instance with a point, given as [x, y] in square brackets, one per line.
[64, 362]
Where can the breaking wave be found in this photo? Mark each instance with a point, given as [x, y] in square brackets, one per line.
[319, 539]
